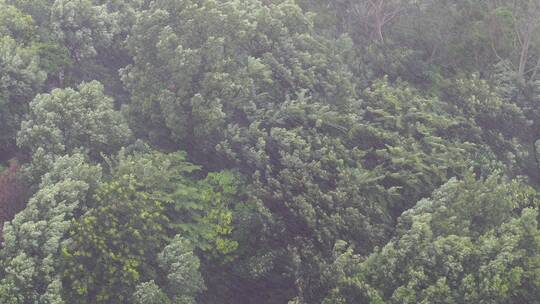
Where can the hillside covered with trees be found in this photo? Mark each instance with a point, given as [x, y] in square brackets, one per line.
[269, 151]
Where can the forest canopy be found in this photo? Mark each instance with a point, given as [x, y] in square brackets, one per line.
[269, 151]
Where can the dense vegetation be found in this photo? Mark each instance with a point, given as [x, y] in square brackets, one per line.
[269, 151]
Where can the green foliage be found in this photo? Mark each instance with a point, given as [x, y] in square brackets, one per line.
[82, 27]
[200, 66]
[38, 9]
[150, 293]
[54, 60]
[67, 119]
[198, 209]
[20, 79]
[182, 268]
[82, 40]
[15, 24]
[113, 244]
[496, 116]
[342, 151]
[149, 199]
[183, 280]
[352, 172]
[33, 239]
[472, 242]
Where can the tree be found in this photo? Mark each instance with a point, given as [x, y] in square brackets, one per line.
[182, 267]
[472, 241]
[38, 9]
[258, 85]
[150, 293]
[33, 239]
[347, 151]
[21, 78]
[353, 171]
[82, 27]
[82, 40]
[66, 120]
[16, 24]
[116, 245]
[93, 32]
[199, 66]
[503, 115]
